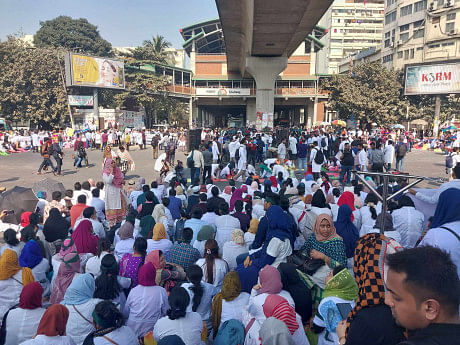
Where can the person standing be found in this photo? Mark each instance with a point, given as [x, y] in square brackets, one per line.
[215, 151]
[154, 143]
[292, 148]
[57, 154]
[346, 163]
[317, 159]
[197, 163]
[35, 141]
[302, 149]
[207, 160]
[46, 152]
[105, 139]
[115, 201]
[282, 150]
[389, 153]
[377, 158]
[242, 161]
[401, 150]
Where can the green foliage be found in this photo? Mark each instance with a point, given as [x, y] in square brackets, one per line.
[154, 51]
[74, 34]
[31, 85]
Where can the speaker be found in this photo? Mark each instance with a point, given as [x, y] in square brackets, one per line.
[193, 139]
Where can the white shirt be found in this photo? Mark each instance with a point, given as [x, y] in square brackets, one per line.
[232, 147]
[78, 328]
[234, 309]
[315, 167]
[123, 335]
[225, 225]
[409, 223]
[22, 324]
[434, 196]
[282, 150]
[389, 153]
[231, 251]
[45, 340]
[362, 159]
[204, 309]
[188, 328]
[124, 247]
[293, 145]
[220, 269]
[98, 228]
[99, 205]
[280, 250]
[10, 290]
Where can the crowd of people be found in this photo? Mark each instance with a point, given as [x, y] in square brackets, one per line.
[273, 240]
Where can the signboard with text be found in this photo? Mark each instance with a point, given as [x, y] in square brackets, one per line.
[82, 101]
[432, 79]
[222, 92]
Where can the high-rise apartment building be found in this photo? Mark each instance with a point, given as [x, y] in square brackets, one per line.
[352, 26]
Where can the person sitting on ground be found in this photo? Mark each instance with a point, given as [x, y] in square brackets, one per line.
[408, 222]
[214, 268]
[183, 254]
[131, 263]
[207, 232]
[167, 274]
[159, 240]
[244, 218]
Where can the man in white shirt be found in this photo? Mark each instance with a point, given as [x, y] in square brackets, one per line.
[389, 153]
[293, 148]
[215, 151]
[232, 147]
[362, 158]
[242, 161]
[282, 150]
[315, 165]
[225, 224]
[98, 204]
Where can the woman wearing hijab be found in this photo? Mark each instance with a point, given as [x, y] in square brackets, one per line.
[237, 195]
[180, 195]
[115, 201]
[340, 288]
[146, 303]
[79, 300]
[408, 222]
[250, 235]
[20, 324]
[12, 280]
[254, 187]
[276, 248]
[68, 246]
[348, 231]
[130, 263]
[126, 243]
[274, 332]
[206, 232]
[232, 249]
[56, 226]
[159, 215]
[52, 328]
[319, 204]
[84, 239]
[68, 269]
[229, 303]
[146, 225]
[167, 274]
[31, 256]
[371, 321]
[298, 291]
[348, 198]
[159, 240]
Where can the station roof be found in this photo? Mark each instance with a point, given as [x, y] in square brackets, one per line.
[207, 35]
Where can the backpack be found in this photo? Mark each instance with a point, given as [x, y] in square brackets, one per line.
[449, 161]
[190, 161]
[402, 149]
[230, 332]
[323, 142]
[319, 157]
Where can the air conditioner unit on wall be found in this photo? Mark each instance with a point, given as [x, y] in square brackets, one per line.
[400, 42]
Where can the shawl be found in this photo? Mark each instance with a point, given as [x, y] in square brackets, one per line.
[68, 246]
[179, 190]
[347, 198]
[244, 188]
[69, 266]
[253, 226]
[25, 218]
[159, 232]
[238, 236]
[31, 255]
[237, 195]
[158, 213]
[346, 229]
[206, 233]
[342, 285]
[447, 208]
[270, 280]
[147, 274]
[9, 266]
[368, 267]
[154, 258]
[231, 289]
[279, 308]
[80, 291]
[316, 228]
[56, 226]
[117, 174]
[84, 239]
[31, 296]
[126, 230]
[54, 321]
[254, 186]
[275, 332]
[146, 224]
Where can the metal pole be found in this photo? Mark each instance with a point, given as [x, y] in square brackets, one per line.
[437, 111]
[96, 104]
[384, 203]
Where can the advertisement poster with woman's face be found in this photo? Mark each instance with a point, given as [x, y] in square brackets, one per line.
[101, 72]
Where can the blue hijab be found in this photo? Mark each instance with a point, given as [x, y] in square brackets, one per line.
[447, 210]
[31, 255]
[80, 291]
[278, 224]
[347, 230]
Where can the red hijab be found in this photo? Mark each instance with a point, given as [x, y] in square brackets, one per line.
[84, 239]
[31, 296]
[147, 274]
[279, 308]
[274, 182]
[25, 218]
[54, 321]
[347, 198]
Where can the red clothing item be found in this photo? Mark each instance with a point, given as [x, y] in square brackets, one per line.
[84, 239]
[75, 212]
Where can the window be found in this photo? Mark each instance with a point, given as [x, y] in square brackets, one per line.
[406, 10]
[418, 23]
[390, 17]
[450, 26]
[404, 37]
[419, 33]
[412, 51]
[419, 48]
[388, 58]
[404, 28]
[406, 54]
[387, 43]
[434, 46]
[435, 20]
[450, 16]
[447, 44]
[390, 2]
[420, 6]
[400, 55]
[387, 34]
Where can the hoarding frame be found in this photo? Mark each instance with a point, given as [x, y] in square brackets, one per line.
[431, 63]
[69, 72]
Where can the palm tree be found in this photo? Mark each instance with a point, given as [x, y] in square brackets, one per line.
[155, 50]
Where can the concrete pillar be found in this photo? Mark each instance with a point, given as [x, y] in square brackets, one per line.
[190, 112]
[265, 70]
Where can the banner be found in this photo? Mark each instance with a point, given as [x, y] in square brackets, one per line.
[82, 101]
[132, 119]
[222, 92]
[83, 70]
[432, 79]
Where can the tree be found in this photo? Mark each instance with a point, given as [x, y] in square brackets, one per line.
[73, 34]
[371, 93]
[154, 51]
[31, 84]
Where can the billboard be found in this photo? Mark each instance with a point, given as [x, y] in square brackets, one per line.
[84, 70]
[200, 91]
[83, 101]
[434, 79]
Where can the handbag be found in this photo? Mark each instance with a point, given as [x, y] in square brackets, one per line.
[305, 264]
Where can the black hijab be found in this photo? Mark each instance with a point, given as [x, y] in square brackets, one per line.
[56, 227]
[319, 200]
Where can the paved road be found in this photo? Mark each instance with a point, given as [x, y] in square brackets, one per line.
[20, 169]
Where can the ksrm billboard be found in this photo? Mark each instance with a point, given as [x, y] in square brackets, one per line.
[434, 79]
[91, 71]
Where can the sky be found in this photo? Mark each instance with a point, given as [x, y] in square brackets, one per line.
[123, 23]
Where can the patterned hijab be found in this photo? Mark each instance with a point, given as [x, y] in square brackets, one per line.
[342, 285]
[370, 253]
[279, 307]
[117, 174]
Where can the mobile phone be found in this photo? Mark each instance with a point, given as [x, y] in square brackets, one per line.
[8, 212]
[344, 309]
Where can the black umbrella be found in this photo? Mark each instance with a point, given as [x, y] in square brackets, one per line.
[19, 199]
[49, 186]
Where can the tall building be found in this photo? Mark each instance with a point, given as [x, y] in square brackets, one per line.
[351, 26]
[418, 31]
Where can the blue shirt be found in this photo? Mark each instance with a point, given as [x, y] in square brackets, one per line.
[175, 205]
